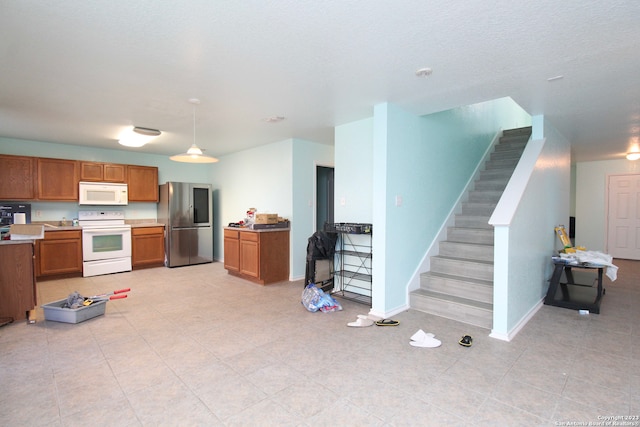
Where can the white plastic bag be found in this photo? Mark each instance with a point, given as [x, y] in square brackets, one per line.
[314, 299]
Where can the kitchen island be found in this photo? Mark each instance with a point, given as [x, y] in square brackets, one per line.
[17, 280]
[261, 256]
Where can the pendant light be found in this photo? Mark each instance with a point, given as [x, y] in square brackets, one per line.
[193, 154]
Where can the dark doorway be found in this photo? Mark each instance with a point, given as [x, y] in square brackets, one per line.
[324, 196]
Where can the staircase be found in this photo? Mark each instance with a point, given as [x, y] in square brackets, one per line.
[460, 283]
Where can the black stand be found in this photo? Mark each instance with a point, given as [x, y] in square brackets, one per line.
[574, 295]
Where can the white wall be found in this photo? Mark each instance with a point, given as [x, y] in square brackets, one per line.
[259, 178]
[306, 157]
[591, 202]
[275, 178]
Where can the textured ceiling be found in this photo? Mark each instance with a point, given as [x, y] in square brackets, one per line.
[79, 72]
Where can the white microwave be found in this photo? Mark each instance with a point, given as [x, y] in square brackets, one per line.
[103, 193]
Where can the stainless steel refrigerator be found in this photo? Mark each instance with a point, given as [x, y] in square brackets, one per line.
[186, 211]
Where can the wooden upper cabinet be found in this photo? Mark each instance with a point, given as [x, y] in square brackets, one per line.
[115, 173]
[143, 183]
[17, 178]
[58, 179]
[38, 178]
[103, 172]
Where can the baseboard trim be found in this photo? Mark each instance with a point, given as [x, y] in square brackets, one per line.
[514, 331]
[389, 314]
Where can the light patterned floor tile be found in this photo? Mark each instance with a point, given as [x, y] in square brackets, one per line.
[195, 346]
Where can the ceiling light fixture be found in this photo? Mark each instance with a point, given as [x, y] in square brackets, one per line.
[138, 136]
[424, 72]
[146, 131]
[193, 154]
[633, 155]
[274, 119]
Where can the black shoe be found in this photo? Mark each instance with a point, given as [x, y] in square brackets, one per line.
[466, 341]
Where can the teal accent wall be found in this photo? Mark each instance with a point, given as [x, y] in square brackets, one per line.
[354, 172]
[419, 167]
[534, 202]
[430, 159]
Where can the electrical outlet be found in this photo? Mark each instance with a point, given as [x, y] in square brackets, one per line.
[398, 201]
[343, 201]
[38, 214]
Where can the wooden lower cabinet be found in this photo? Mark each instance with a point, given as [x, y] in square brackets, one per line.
[250, 254]
[259, 256]
[147, 247]
[232, 250]
[17, 281]
[59, 254]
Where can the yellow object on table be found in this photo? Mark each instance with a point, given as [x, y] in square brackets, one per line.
[562, 235]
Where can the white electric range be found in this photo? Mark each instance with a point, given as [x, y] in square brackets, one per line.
[106, 242]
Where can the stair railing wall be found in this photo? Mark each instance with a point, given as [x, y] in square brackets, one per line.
[536, 198]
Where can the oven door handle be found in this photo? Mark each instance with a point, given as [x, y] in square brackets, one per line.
[106, 230]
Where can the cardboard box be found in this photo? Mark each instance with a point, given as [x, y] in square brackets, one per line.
[26, 232]
[263, 218]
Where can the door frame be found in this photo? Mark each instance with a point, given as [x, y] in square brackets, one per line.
[315, 192]
[608, 207]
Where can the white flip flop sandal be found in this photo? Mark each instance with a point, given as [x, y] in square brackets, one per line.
[428, 342]
[360, 323]
[421, 335]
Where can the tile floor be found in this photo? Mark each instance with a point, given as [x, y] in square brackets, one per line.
[193, 346]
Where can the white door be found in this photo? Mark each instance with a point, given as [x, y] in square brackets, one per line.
[623, 228]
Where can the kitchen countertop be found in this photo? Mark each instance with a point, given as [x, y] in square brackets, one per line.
[262, 230]
[15, 242]
[53, 227]
[145, 224]
[133, 223]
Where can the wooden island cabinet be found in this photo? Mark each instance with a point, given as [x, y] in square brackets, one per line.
[261, 256]
[232, 250]
[17, 280]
